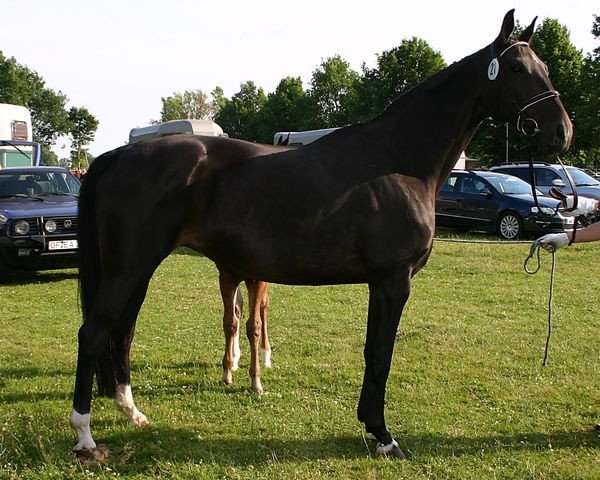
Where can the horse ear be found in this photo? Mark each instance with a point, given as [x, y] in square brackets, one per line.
[508, 25]
[528, 32]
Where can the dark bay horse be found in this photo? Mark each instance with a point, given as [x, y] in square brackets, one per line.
[356, 206]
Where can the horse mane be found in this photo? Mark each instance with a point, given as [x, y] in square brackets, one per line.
[433, 83]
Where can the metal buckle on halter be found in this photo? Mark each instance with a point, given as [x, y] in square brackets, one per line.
[528, 126]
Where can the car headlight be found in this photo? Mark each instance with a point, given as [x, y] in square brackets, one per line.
[546, 210]
[3, 220]
[22, 227]
[50, 226]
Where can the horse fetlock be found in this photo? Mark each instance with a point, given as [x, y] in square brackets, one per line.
[266, 357]
[227, 378]
[81, 425]
[390, 450]
[257, 386]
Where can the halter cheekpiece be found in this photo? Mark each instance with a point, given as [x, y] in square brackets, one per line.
[527, 126]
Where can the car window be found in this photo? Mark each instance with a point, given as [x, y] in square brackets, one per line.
[509, 185]
[545, 176]
[38, 183]
[449, 184]
[522, 173]
[472, 185]
[581, 178]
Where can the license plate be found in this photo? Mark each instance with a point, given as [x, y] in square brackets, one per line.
[62, 245]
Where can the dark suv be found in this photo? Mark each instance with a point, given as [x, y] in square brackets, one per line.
[549, 175]
[38, 218]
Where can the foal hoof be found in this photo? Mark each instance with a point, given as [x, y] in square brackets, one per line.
[392, 450]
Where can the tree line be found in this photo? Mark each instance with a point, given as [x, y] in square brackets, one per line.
[336, 95]
[51, 119]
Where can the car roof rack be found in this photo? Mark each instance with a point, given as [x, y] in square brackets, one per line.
[522, 163]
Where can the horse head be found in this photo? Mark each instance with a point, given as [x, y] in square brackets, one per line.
[521, 91]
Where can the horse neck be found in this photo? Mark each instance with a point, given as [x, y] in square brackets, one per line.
[443, 113]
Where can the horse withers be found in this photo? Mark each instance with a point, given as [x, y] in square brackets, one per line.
[356, 206]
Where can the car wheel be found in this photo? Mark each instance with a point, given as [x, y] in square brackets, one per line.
[510, 226]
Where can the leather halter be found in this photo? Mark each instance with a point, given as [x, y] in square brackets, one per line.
[526, 126]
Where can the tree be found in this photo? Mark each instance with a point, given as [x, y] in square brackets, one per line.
[587, 127]
[289, 108]
[187, 105]
[239, 117]
[21, 86]
[332, 89]
[398, 70]
[82, 129]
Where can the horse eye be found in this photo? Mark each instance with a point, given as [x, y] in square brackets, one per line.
[518, 68]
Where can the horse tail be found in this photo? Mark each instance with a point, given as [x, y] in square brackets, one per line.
[90, 270]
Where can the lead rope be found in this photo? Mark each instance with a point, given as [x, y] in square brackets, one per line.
[536, 249]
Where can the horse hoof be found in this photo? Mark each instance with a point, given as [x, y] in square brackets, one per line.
[91, 455]
[392, 450]
[257, 387]
[140, 420]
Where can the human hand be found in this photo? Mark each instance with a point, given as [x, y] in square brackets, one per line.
[585, 206]
[552, 242]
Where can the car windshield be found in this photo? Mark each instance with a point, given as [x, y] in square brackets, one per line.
[581, 178]
[37, 184]
[509, 185]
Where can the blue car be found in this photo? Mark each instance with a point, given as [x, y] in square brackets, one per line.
[38, 218]
[498, 203]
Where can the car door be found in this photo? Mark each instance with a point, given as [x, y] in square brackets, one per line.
[477, 201]
[448, 204]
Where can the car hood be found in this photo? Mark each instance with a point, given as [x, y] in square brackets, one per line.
[542, 200]
[23, 207]
[589, 191]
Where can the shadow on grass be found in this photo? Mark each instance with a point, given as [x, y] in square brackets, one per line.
[43, 277]
[138, 450]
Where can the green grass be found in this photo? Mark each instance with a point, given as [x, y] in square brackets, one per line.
[467, 396]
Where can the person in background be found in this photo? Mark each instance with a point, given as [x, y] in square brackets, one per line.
[591, 233]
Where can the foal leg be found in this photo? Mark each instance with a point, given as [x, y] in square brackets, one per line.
[238, 312]
[265, 346]
[386, 301]
[256, 294]
[228, 284]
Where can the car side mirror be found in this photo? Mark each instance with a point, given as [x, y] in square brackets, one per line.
[485, 192]
[557, 182]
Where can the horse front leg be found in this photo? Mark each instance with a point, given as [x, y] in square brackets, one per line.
[386, 302]
[254, 325]
[230, 294]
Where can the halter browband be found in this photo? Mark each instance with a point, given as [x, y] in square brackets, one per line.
[527, 126]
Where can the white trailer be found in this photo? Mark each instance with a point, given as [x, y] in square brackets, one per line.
[195, 127]
[17, 148]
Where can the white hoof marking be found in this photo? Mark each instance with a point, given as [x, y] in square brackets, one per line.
[81, 424]
[124, 402]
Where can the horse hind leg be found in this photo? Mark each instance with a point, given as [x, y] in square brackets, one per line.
[121, 340]
[254, 326]
[111, 301]
[265, 345]
[232, 309]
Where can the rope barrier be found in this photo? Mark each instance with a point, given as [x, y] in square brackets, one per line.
[535, 249]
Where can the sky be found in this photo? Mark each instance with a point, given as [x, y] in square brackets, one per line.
[118, 58]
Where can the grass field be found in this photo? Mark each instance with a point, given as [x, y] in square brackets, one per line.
[467, 397]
